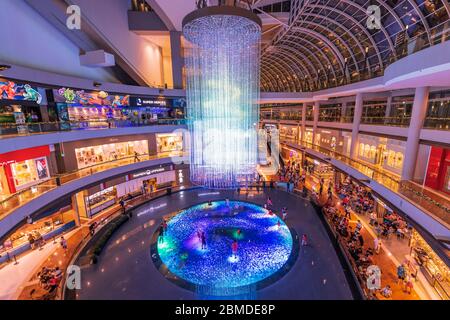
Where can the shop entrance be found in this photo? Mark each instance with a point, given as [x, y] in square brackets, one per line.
[150, 185]
[381, 151]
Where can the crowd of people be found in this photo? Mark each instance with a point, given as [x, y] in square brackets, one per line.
[49, 278]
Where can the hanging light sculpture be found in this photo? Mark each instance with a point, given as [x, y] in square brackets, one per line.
[222, 74]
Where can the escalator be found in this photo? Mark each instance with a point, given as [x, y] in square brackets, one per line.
[269, 151]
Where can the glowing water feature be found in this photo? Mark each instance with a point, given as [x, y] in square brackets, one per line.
[264, 245]
[222, 74]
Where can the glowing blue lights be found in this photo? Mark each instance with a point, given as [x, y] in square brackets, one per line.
[264, 245]
[222, 69]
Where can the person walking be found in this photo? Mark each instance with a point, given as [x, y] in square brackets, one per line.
[136, 157]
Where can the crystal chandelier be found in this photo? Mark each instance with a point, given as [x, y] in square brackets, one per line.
[222, 70]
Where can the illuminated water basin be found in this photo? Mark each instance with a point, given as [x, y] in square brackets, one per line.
[264, 243]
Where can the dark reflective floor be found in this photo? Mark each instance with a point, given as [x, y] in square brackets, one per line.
[125, 269]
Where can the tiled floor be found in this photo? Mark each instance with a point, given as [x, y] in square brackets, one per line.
[126, 271]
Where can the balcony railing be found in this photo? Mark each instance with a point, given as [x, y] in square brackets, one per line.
[13, 129]
[387, 121]
[22, 197]
[437, 123]
[434, 204]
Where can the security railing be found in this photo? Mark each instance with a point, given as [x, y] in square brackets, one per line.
[387, 121]
[437, 123]
[14, 129]
[20, 198]
[434, 204]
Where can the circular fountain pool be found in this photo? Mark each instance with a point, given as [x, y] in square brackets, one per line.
[265, 248]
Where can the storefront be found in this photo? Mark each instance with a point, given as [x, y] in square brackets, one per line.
[79, 154]
[92, 155]
[104, 196]
[86, 110]
[384, 152]
[289, 132]
[169, 142]
[438, 170]
[436, 272]
[19, 104]
[332, 139]
[24, 168]
[308, 135]
[154, 108]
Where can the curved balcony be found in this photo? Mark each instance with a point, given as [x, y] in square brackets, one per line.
[47, 133]
[26, 202]
[427, 209]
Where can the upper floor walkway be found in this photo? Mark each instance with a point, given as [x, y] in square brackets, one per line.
[31, 200]
[428, 209]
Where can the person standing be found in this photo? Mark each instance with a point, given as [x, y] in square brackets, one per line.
[284, 213]
[269, 202]
[234, 248]
[63, 243]
[161, 233]
[304, 240]
[376, 245]
[122, 205]
[203, 240]
[165, 225]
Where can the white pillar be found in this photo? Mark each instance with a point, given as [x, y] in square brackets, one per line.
[419, 111]
[388, 107]
[356, 123]
[316, 109]
[343, 111]
[177, 59]
[76, 210]
[303, 122]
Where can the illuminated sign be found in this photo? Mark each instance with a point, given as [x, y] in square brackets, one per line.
[10, 90]
[148, 172]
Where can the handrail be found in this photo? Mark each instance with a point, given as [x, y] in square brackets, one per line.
[30, 128]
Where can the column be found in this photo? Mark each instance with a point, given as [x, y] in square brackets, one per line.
[343, 111]
[177, 59]
[388, 107]
[44, 113]
[418, 114]
[316, 109]
[356, 123]
[303, 138]
[76, 209]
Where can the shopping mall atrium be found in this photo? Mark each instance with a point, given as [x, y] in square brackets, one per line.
[225, 150]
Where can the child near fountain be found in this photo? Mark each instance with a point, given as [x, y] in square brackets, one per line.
[234, 248]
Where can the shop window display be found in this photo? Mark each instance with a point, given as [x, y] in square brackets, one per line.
[90, 156]
[169, 142]
[29, 171]
[37, 228]
[100, 201]
[435, 270]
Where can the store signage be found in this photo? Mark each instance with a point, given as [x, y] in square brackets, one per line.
[102, 98]
[10, 90]
[149, 102]
[148, 172]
